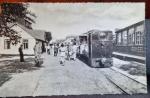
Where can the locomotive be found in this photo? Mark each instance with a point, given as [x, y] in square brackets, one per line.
[95, 48]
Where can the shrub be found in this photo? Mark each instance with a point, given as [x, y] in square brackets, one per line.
[126, 67]
[139, 70]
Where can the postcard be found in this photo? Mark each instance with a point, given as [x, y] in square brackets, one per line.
[49, 49]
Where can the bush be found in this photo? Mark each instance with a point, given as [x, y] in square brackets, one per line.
[139, 70]
[126, 67]
[134, 69]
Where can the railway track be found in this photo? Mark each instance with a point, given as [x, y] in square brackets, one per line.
[124, 83]
[122, 90]
[128, 77]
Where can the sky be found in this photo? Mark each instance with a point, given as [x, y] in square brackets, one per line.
[65, 19]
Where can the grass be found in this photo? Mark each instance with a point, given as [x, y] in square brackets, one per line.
[15, 66]
[4, 77]
[134, 69]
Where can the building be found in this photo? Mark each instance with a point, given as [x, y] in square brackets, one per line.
[27, 22]
[28, 39]
[131, 39]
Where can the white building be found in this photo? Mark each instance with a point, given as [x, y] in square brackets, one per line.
[29, 38]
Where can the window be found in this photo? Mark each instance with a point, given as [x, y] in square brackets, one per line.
[131, 36]
[95, 37]
[139, 30]
[139, 38]
[25, 44]
[7, 44]
[124, 38]
[103, 36]
[83, 39]
[119, 38]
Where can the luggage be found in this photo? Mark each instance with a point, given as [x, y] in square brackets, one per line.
[38, 62]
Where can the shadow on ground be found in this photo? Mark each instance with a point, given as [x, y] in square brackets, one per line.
[15, 66]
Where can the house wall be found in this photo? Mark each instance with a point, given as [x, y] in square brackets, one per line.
[127, 40]
[14, 48]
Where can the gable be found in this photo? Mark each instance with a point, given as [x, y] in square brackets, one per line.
[37, 34]
[22, 32]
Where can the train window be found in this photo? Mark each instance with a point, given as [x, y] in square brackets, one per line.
[83, 39]
[95, 37]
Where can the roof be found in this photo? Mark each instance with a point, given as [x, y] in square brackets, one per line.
[37, 34]
[138, 23]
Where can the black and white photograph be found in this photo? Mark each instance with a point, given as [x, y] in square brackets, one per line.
[53, 49]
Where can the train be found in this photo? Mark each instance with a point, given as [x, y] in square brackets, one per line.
[95, 48]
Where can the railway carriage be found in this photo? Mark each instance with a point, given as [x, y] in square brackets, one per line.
[96, 47]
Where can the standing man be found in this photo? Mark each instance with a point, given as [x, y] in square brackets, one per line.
[55, 50]
[21, 53]
[48, 49]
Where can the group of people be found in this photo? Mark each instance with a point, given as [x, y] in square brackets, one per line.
[65, 51]
[37, 53]
[52, 49]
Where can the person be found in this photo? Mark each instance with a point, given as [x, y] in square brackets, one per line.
[21, 53]
[69, 51]
[37, 53]
[62, 51]
[52, 49]
[83, 48]
[55, 49]
[48, 49]
[74, 51]
[58, 48]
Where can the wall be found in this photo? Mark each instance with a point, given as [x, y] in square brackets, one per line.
[14, 48]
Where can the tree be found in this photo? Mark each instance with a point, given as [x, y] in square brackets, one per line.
[48, 36]
[10, 14]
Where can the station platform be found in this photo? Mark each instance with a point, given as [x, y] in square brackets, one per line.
[129, 57]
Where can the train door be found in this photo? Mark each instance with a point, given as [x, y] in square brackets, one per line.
[83, 45]
[83, 48]
[95, 48]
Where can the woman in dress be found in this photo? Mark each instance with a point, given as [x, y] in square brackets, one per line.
[37, 53]
[62, 51]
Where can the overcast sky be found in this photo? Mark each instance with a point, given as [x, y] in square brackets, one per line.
[64, 19]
